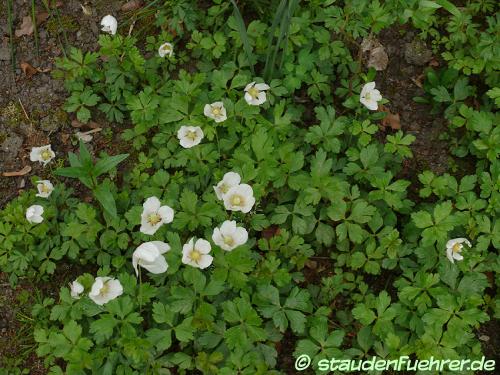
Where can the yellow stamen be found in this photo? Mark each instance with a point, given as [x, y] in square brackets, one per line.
[46, 155]
[195, 255]
[44, 188]
[254, 93]
[191, 135]
[457, 247]
[216, 111]
[154, 219]
[236, 200]
[228, 240]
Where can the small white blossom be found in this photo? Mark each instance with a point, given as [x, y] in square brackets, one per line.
[239, 198]
[34, 214]
[42, 154]
[190, 136]
[166, 49]
[255, 93]
[149, 255]
[196, 254]
[45, 188]
[154, 215]
[229, 236]
[370, 96]
[215, 111]
[229, 180]
[454, 248]
[76, 289]
[105, 289]
[109, 24]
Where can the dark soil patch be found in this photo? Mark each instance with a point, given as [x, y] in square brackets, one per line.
[398, 83]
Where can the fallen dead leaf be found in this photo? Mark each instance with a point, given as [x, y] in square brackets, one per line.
[28, 69]
[26, 27]
[76, 124]
[131, 5]
[312, 264]
[21, 172]
[418, 80]
[434, 63]
[378, 58]
[392, 120]
[41, 18]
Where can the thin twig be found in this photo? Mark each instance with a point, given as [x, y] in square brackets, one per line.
[24, 110]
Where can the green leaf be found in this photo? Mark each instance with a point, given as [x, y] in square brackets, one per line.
[106, 199]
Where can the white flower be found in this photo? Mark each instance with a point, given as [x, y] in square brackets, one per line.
[215, 111]
[196, 254]
[190, 136]
[166, 49]
[45, 188]
[239, 198]
[34, 214]
[149, 256]
[454, 247]
[42, 154]
[229, 236]
[370, 96]
[105, 289]
[154, 215]
[109, 24]
[229, 180]
[255, 94]
[76, 289]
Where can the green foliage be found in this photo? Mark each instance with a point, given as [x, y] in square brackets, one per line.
[344, 255]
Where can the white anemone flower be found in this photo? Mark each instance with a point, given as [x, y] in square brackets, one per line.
[370, 96]
[239, 198]
[45, 188]
[154, 215]
[76, 289]
[105, 289]
[255, 93]
[190, 136]
[229, 236]
[43, 154]
[215, 111]
[229, 180]
[34, 214]
[149, 255]
[166, 49]
[196, 254]
[454, 248]
[109, 24]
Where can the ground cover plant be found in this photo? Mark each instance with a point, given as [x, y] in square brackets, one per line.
[261, 207]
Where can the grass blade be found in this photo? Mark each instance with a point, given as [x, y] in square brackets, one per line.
[35, 27]
[240, 23]
[277, 19]
[10, 20]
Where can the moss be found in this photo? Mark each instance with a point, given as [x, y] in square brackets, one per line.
[12, 114]
[3, 137]
[56, 25]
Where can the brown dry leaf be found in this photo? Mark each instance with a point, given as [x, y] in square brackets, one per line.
[131, 5]
[28, 69]
[392, 120]
[378, 58]
[26, 27]
[434, 63]
[22, 172]
[76, 124]
[312, 264]
[65, 138]
[41, 18]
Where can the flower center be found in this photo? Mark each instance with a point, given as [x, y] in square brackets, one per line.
[195, 255]
[254, 93]
[224, 188]
[166, 48]
[104, 290]
[216, 111]
[45, 155]
[154, 219]
[228, 240]
[457, 247]
[44, 188]
[191, 135]
[236, 200]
